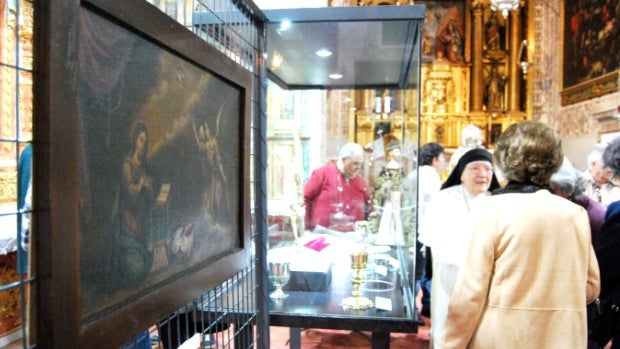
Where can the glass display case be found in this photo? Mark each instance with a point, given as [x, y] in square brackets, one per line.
[339, 75]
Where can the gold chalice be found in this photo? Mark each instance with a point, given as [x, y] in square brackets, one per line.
[359, 260]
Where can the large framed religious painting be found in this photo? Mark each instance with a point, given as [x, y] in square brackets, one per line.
[591, 50]
[444, 31]
[149, 170]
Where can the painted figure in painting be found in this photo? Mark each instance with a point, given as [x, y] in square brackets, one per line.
[452, 43]
[450, 34]
[216, 202]
[592, 47]
[130, 259]
[429, 33]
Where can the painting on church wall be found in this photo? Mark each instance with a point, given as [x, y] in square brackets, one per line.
[162, 138]
[444, 31]
[591, 50]
[280, 164]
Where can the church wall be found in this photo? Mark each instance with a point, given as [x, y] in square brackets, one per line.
[580, 124]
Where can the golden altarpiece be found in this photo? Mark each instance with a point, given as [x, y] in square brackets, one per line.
[473, 68]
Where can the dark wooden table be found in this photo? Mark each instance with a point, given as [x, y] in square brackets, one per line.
[304, 309]
[323, 310]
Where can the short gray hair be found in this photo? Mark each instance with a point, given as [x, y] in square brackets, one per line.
[350, 149]
[570, 180]
[596, 153]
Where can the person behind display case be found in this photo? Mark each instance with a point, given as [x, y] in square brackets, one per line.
[432, 159]
[530, 269]
[335, 195]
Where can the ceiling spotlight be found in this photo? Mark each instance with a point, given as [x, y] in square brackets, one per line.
[335, 76]
[285, 25]
[323, 53]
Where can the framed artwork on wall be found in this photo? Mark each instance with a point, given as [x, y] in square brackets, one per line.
[444, 31]
[281, 156]
[590, 51]
[151, 181]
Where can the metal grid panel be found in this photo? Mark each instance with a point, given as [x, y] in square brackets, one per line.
[237, 34]
[223, 317]
[15, 165]
[231, 314]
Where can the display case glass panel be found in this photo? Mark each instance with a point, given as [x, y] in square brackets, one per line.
[335, 76]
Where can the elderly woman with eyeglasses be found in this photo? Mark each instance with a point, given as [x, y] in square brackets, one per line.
[442, 227]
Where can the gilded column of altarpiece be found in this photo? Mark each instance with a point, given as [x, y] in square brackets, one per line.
[475, 80]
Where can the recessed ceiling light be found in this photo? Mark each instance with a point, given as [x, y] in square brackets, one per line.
[335, 76]
[286, 24]
[323, 53]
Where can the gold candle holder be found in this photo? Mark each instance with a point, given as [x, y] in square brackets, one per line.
[359, 260]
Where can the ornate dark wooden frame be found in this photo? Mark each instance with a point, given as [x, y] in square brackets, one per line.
[61, 321]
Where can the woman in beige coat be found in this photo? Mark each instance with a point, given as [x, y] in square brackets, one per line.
[530, 267]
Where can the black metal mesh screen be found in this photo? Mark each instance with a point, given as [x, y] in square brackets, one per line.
[16, 93]
[223, 317]
[226, 316]
[231, 314]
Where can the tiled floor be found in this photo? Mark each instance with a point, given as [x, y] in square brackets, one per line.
[315, 338]
[342, 339]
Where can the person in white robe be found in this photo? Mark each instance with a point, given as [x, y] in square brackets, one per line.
[444, 227]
